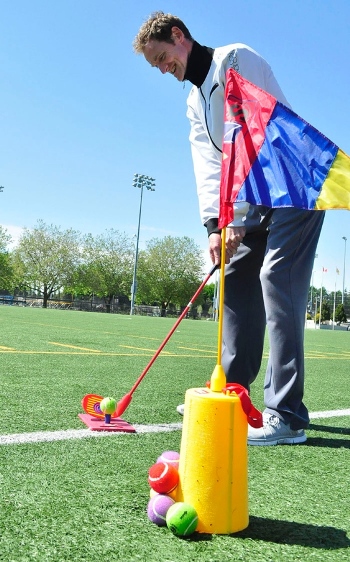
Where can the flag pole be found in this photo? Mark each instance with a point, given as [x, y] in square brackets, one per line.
[218, 378]
[335, 292]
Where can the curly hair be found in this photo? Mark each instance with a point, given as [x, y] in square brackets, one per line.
[158, 27]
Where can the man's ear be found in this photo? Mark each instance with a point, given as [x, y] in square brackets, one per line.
[176, 33]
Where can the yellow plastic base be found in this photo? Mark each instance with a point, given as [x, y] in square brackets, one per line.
[213, 466]
[218, 379]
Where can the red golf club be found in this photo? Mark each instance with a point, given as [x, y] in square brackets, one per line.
[125, 401]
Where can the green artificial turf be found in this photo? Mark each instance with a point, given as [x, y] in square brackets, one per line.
[85, 499]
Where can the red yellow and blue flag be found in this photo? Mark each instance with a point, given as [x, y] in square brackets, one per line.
[272, 157]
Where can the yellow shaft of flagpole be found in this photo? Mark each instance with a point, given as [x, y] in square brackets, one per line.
[222, 294]
[218, 378]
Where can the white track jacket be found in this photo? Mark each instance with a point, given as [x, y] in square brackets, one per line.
[205, 110]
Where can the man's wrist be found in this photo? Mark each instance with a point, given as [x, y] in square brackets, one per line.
[212, 226]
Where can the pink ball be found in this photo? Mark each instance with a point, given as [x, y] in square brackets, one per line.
[170, 457]
[157, 509]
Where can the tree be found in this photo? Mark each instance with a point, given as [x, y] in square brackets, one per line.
[5, 239]
[169, 271]
[326, 311]
[107, 264]
[340, 315]
[206, 298]
[314, 294]
[6, 270]
[45, 258]
[347, 303]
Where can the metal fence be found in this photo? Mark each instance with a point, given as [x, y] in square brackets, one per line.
[98, 305]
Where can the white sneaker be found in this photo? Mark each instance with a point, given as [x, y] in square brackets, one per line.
[275, 432]
[180, 409]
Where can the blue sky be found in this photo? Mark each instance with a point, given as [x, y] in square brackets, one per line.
[81, 113]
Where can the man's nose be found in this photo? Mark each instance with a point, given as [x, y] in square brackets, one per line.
[163, 67]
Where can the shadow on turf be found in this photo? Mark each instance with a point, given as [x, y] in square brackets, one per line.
[288, 532]
[330, 429]
[326, 442]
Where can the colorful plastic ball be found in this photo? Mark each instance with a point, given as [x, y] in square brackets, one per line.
[170, 457]
[182, 519]
[108, 405]
[163, 477]
[157, 509]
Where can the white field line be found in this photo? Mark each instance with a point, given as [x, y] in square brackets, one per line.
[42, 436]
[329, 414]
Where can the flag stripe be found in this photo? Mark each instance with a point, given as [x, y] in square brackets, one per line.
[245, 121]
[291, 167]
[335, 192]
[273, 157]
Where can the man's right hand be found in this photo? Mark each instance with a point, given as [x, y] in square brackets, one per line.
[234, 236]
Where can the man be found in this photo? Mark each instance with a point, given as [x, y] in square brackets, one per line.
[269, 252]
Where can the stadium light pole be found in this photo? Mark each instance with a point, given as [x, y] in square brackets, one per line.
[342, 298]
[140, 181]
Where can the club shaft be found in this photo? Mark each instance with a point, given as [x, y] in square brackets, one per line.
[183, 314]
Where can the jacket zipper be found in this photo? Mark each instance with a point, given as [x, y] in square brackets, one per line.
[205, 112]
[212, 91]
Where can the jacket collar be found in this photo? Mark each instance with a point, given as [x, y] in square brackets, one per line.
[198, 64]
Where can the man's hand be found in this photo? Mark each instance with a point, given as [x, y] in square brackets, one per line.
[234, 236]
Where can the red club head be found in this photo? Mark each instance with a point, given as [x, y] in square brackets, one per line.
[123, 404]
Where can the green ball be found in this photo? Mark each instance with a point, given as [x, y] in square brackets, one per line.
[182, 519]
[108, 405]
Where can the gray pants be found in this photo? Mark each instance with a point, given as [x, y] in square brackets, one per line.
[266, 285]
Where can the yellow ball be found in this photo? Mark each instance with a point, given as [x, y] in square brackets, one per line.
[108, 405]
